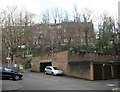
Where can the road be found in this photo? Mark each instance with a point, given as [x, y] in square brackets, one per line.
[41, 81]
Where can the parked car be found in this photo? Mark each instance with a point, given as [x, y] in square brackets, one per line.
[9, 73]
[53, 70]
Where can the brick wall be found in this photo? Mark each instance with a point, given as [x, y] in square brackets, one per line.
[84, 56]
[60, 60]
[35, 64]
[80, 70]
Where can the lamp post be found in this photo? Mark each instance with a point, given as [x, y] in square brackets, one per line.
[8, 57]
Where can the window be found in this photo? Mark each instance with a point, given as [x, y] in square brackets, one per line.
[59, 36]
[81, 40]
[50, 27]
[64, 30]
[56, 68]
[65, 40]
[49, 68]
[34, 37]
[59, 26]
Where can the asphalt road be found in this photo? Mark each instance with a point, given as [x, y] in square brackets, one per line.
[41, 81]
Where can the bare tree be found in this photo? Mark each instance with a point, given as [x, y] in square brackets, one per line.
[86, 20]
[57, 15]
[15, 31]
[29, 18]
[109, 34]
[66, 17]
[86, 13]
[46, 17]
[76, 14]
[60, 15]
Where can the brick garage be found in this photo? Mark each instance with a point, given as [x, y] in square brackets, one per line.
[92, 70]
[89, 66]
[39, 63]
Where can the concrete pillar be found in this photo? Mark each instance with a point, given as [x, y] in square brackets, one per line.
[112, 71]
[103, 71]
[91, 71]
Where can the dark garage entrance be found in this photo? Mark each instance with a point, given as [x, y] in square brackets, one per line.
[106, 71]
[43, 65]
[97, 71]
[102, 71]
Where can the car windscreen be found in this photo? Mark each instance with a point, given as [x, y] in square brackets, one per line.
[8, 70]
[56, 68]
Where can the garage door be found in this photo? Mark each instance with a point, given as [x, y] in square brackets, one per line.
[43, 65]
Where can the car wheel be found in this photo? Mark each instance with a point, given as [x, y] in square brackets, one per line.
[45, 72]
[16, 77]
[52, 73]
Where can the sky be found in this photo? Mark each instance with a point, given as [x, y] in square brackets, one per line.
[38, 6]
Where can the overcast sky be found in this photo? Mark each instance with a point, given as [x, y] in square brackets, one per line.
[37, 6]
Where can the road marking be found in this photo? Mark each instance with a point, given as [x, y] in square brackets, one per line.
[110, 85]
[116, 89]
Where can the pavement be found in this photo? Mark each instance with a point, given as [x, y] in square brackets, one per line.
[10, 85]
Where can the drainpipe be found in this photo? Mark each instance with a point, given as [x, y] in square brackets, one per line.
[9, 62]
